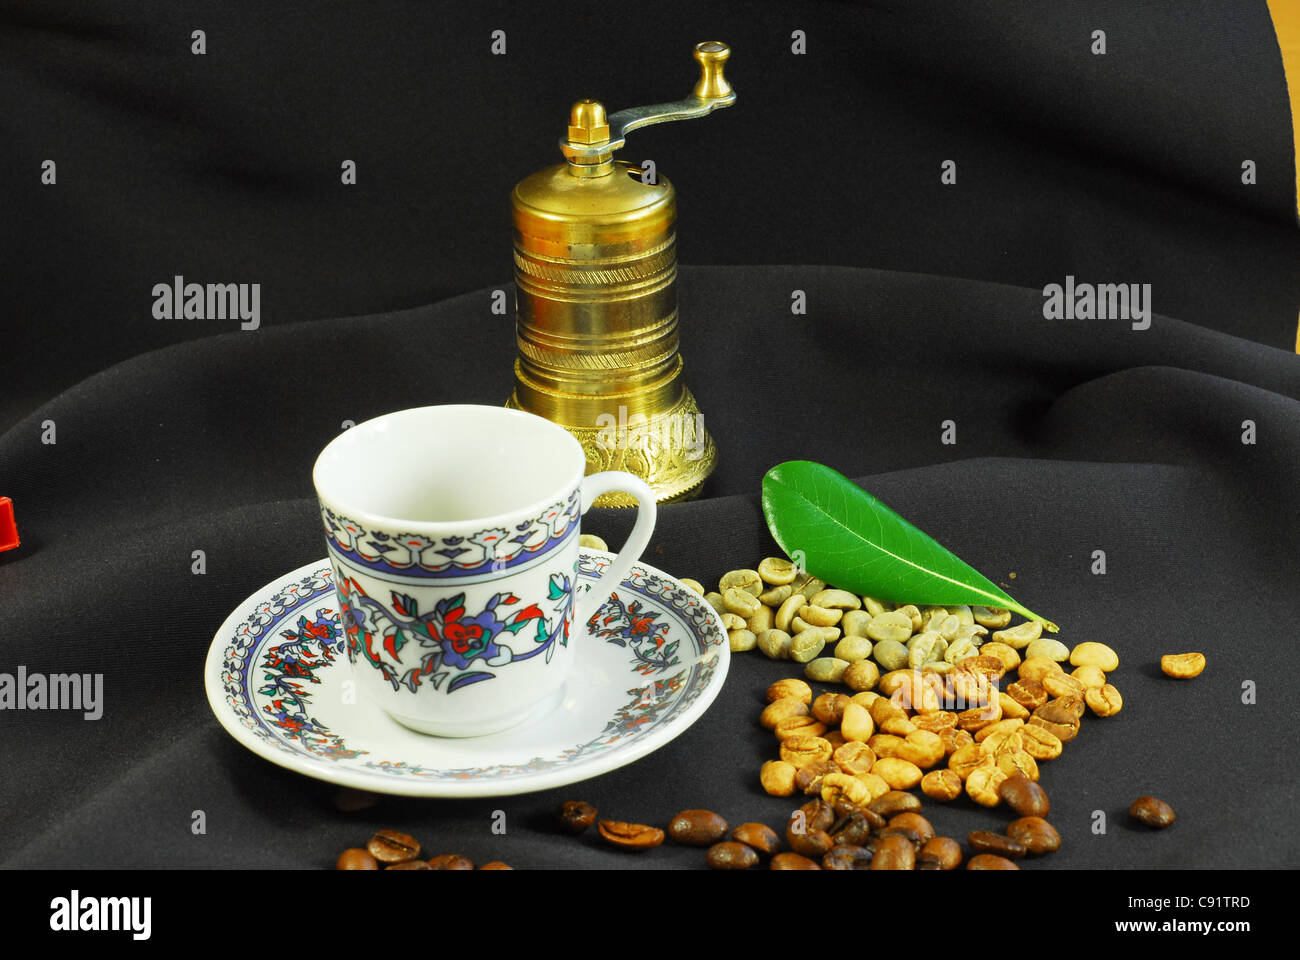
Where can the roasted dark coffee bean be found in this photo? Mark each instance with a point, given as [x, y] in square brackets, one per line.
[577, 816]
[1152, 812]
[1036, 834]
[943, 851]
[496, 865]
[894, 853]
[1024, 796]
[730, 855]
[389, 846]
[409, 865]
[630, 836]
[697, 828]
[451, 861]
[847, 857]
[759, 836]
[857, 828]
[990, 861]
[810, 776]
[984, 841]
[813, 844]
[895, 801]
[817, 815]
[356, 859]
[911, 825]
[793, 861]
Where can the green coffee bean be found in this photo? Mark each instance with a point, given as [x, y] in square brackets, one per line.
[747, 580]
[775, 643]
[854, 623]
[926, 648]
[853, 649]
[964, 614]
[1020, 636]
[959, 650]
[731, 621]
[592, 542]
[786, 613]
[806, 646]
[826, 670]
[820, 616]
[763, 619]
[873, 606]
[890, 654]
[913, 614]
[690, 584]
[778, 571]
[861, 675]
[893, 625]
[742, 640]
[740, 602]
[715, 601]
[1049, 648]
[836, 600]
[995, 618]
[812, 587]
[777, 595]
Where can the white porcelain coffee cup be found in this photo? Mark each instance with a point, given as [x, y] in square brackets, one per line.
[453, 535]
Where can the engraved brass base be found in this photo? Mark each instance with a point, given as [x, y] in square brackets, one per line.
[672, 452]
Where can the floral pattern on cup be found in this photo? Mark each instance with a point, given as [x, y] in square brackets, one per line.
[409, 647]
[418, 555]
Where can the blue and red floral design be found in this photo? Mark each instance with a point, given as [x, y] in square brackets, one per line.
[633, 626]
[411, 648]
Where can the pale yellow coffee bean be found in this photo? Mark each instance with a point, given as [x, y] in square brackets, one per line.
[1003, 727]
[995, 618]
[777, 778]
[976, 718]
[1049, 648]
[842, 789]
[778, 571]
[900, 774]
[739, 602]
[731, 621]
[856, 724]
[964, 614]
[873, 606]
[792, 687]
[802, 751]
[799, 727]
[861, 675]
[1104, 701]
[806, 645]
[1019, 636]
[925, 648]
[853, 649]
[760, 621]
[865, 697]
[741, 640]
[1091, 653]
[883, 710]
[778, 710]
[715, 601]
[829, 708]
[922, 748]
[982, 785]
[1035, 668]
[876, 786]
[747, 580]
[894, 625]
[948, 627]
[820, 616]
[811, 587]
[1011, 708]
[1182, 666]
[854, 757]
[833, 599]
[593, 542]
[854, 623]
[1040, 743]
[826, 670]
[913, 614]
[937, 666]
[798, 625]
[959, 650]
[899, 728]
[890, 654]
[775, 643]
[776, 596]
[690, 584]
[786, 612]
[1089, 675]
[884, 744]
[1004, 652]
[967, 758]
[941, 785]
[972, 632]
[1017, 761]
[1063, 685]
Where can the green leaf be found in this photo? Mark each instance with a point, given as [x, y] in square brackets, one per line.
[850, 539]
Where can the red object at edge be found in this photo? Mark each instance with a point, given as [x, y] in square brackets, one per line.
[8, 529]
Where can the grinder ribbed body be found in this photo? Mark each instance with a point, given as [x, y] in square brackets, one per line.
[597, 324]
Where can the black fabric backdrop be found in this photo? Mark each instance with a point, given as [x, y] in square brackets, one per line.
[1073, 436]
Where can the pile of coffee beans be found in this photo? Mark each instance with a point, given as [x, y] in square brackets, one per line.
[395, 850]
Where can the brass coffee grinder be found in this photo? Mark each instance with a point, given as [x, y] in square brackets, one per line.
[596, 297]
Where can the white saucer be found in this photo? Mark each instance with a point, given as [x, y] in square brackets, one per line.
[275, 670]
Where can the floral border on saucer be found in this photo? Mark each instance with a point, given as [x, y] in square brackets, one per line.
[289, 665]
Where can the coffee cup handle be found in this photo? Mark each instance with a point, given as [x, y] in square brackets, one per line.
[610, 481]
